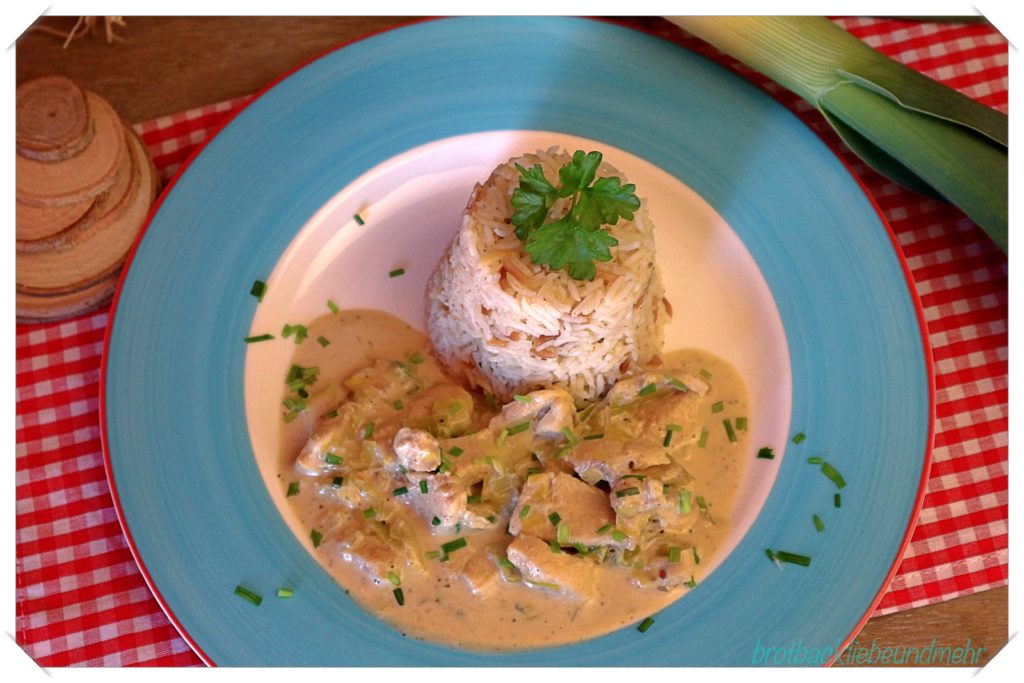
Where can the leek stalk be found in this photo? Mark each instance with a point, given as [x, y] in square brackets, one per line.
[908, 127]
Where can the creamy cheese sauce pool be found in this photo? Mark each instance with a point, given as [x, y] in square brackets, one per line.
[440, 604]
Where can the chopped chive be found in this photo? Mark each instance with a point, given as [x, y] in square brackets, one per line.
[452, 546]
[323, 341]
[631, 491]
[741, 423]
[729, 432]
[618, 535]
[799, 437]
[770, 554]
[530, 471]
[471, 499]
[399, 596]
[562, 533]
[358, 219]
[521, 427]
[501, 437]
[397, 404]
[793, 558]
[333, 307]
[645, 624]
[337, 482]
[647, 390]
[703, 440]
[259, 289]
[641, 477]
[394, 578]
[400, 491]
[766, 453]
[490, 401]
[692, 583]
[684, 502]
[455, 451]
[258, 338]
[815, 461]
[525, 510]
[818, 524]
[436, 521]
[492, 519]
[705, 374]
[288, 417]
[591, 437]
[838, 501]
[331, 415]
[605, 529]
[248, 595]
[673, 427]
[369, 513]
[396, 272]
[423, 485]
[833, 474]
[717, 406]
[555, 548]
[316, 537]
[701, 504]
[432, 554]
[570, 436]
[416, 358]
[554, 518]
[696, 557]
[285, 592]
[675, 554]
[333, 459]
[454, 409]
[293, 489]
[668, 439]
[676, 384]
[525, 400]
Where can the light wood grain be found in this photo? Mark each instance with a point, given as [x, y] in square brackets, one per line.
[167, 64]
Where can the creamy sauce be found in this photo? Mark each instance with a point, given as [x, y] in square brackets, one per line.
[439, 604]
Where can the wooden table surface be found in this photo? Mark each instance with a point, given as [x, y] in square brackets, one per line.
[164, 65]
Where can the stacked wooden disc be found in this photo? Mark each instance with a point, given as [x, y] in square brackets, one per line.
[84, 186]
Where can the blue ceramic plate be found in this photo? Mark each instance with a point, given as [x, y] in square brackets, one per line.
[190, 495]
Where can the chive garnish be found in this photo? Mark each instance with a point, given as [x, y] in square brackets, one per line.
[692, 583]
[400, 491]
[248, 595]
[833, 474]
[471, 499]
[288, 417]
[452, 546]
[432, 554]
[555, 548]
[525, 400]
[394, 578]
[674, 554]
[741, 423]
[436, 521]
[331, 415]
[676, 384]
[570, 436]
[323, 341]
[399, 596]
[455, 451]
[333, 307]
[631, 491]
[668, 439]
[258, 338]
[397, 404]
[766, 453]
[517, 428]
[684, 502]
[591, 437]
[337, 482]
[293, 489]
[696, 557]
[285, 592]
[793, 558]
[605, 529]
[368, 430]
[818, 524]
[316, 537]
[838, 501]
[423, 486]
[563, 451]
[619, 535]
[333, 459]
[490, 401]
[396, 272]
[259, 289]
[647, 390]
[554, 518]
[369, 513]
[703, 440]
[641, 477]
[416, 358]
[729, 432]
[502, 435]
[770, 554]
[562, 533]
[815, 461]
[300, 332]
[645, 624]
[717, 406]
[524, 511]
[705, 374]
[358, 219]
[799, 437]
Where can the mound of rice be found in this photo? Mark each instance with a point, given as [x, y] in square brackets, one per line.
[501, 323]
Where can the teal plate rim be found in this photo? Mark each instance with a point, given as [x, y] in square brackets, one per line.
[186, 489]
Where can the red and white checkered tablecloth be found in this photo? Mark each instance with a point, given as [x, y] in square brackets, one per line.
[81, 600]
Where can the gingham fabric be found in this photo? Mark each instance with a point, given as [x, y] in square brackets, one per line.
[81, 599]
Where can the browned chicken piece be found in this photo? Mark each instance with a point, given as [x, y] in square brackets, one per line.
[628, 389]
[662, 574]
[417, 450]
[368, 551]
[582, 508]
[480, 573]
[444, 499]
[631, 497]
[650, 419]
[601, 459]
[549, 410]
[336, 436]
[560, 572]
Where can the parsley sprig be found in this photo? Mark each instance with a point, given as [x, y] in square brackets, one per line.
[578, 239]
